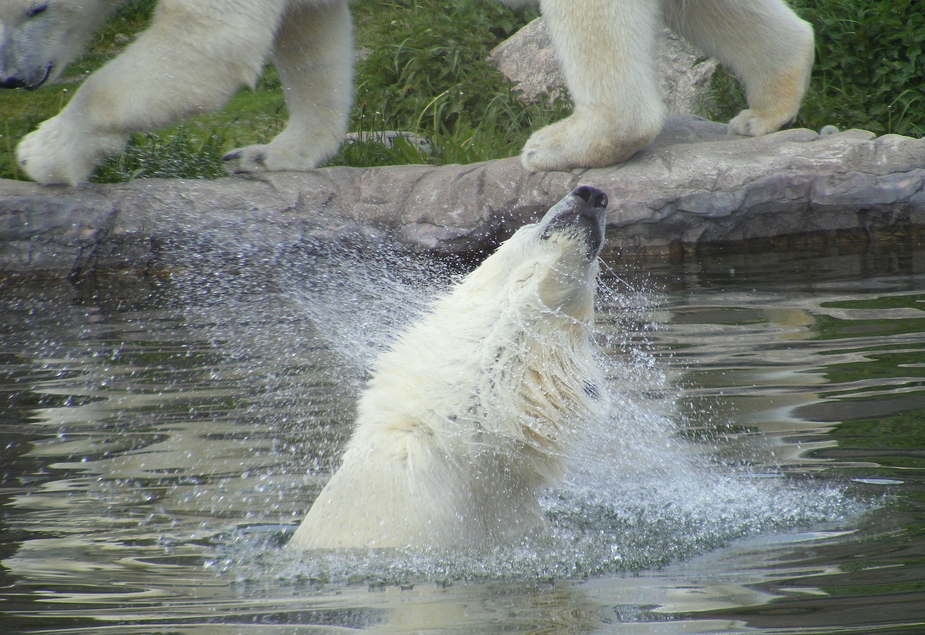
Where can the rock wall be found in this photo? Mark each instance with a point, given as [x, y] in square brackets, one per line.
[528, 59]
[695, 187]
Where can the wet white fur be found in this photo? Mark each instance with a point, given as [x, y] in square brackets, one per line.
[472, 409]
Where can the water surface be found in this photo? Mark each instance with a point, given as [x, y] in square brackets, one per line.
[761, 470]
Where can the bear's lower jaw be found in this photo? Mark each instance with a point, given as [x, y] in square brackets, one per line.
[44, 79]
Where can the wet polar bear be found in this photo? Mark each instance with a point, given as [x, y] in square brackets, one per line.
[197, 53]
[474, 407]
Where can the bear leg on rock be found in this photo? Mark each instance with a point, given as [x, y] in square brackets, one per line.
[765, 44]
[313, 53]
[186, 63]
[607, 52]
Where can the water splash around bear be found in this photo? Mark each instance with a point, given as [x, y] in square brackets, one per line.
[633, 496]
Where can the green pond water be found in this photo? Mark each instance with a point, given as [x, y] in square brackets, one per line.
[762, 469]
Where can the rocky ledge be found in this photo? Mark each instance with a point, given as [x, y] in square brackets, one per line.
[695, 188]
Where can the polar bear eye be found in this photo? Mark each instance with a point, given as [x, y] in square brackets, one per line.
[37, 9]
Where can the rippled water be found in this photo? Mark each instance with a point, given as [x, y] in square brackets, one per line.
[761, 470]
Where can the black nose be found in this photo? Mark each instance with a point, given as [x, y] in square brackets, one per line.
[12, 82]
[591, 195]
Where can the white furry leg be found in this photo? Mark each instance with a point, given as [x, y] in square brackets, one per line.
[188, 62]
[764, 43]
[606, 49]
[313, 53]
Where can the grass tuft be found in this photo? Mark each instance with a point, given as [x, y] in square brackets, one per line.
[870, 65]
[178, 156]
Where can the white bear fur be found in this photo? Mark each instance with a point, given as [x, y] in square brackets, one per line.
[606, 49]
[474, 407]
[191, 60]
[196, 54]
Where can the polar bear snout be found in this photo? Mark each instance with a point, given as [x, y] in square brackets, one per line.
[583, 213]
[29, 82]
[591, 195]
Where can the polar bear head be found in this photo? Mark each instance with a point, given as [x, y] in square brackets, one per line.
[554, 260]
[509, 349]
[41, 37]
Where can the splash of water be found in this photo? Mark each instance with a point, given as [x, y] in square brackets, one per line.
[636, 495]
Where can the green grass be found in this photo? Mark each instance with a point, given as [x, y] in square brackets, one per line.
[870, 70]
[422, 69]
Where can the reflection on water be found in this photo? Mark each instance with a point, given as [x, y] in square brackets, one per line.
[760, 472]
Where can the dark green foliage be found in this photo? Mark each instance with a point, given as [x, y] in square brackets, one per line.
[869, 71]
[423, 68]
[372, 154]
[870, 66]
[426, 68]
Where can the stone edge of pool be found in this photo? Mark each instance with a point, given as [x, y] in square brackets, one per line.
[695, 188]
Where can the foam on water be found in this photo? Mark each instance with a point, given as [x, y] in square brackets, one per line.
[636, 495]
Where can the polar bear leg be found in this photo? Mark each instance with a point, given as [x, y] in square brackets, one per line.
[606, 49]
[764, 43]
[313, 53]
[186, 63]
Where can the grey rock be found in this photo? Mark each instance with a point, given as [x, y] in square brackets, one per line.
[528, 59]
[695, 187]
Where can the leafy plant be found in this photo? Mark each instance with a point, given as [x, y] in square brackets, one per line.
[870, 66]
[424, 69]
[176, 157]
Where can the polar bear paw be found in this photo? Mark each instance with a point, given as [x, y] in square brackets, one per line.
[249, 159]
[585, 142]
[751, 124]
[62, 153]
[279, 157]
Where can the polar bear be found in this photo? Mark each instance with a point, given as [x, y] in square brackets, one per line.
[196, 54]
[474, 407]
[191, 60]
[606, 51]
